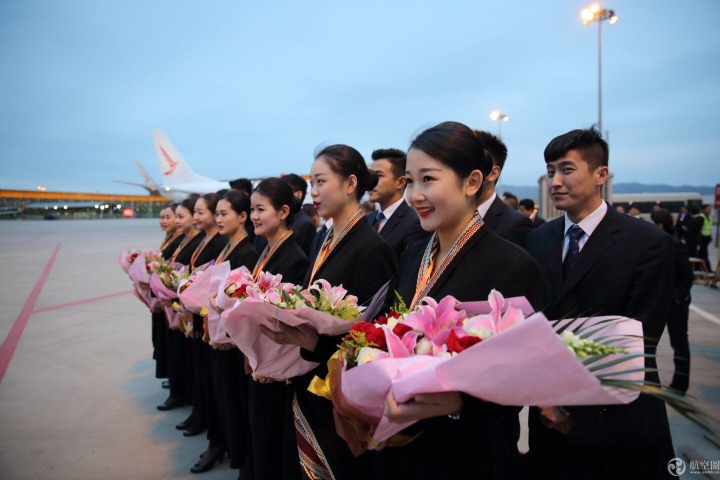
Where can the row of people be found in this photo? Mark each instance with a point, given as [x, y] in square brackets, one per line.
[591, 261]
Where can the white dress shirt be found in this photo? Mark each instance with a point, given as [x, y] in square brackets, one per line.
[588, 225]
[485, 206]
[388, 212]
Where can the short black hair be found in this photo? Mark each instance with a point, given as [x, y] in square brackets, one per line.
[664, 219]
[243, 185]
[527, 203]
[694, 209]
[298, 184]
[587, 142]
[509, 195]
[396, 157]
[494, 146]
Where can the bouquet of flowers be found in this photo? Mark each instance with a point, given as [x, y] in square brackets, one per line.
[328, 310]
[166, 278]
[440, 347]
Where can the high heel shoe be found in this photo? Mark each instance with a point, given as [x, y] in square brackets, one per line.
[185, 424]
[202, 466]
[170, 403]
[194, 429]
[166, 384]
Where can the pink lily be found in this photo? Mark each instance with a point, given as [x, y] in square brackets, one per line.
[495, 322]
[435, 320]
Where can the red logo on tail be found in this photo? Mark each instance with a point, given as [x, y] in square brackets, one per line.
[170, 162]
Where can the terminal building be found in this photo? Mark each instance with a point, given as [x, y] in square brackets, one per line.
[38, 204]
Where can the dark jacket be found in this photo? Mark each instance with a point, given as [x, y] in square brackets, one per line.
[401, 229]
[289, 261]
[508, 223]
[304, 230]
[625, 268]
[483, 442]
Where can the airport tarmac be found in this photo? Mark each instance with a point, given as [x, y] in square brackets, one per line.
[77, 385]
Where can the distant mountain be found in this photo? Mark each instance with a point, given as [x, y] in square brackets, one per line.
[642, 188]
[524, 191]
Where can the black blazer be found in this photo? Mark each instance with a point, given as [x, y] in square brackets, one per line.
[362, 263]
[243, 255]
[401, 229]
[486, 433]
[684, 277]
[212, 250]
[508, 223]
[625, 268]
[186, 253]
[289, 261]
[539, 221]
[170, 249]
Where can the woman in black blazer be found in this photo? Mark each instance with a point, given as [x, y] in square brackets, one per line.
[181, 388]
[159, 323]
[204, 393]
[352, 255]
[273, 210]
[225, 360]
[462, 437]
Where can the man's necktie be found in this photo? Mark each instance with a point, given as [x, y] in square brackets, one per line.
[574, 233]
[378, 221]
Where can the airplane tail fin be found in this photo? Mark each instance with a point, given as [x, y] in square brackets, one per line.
[149, 182]
[173, 168]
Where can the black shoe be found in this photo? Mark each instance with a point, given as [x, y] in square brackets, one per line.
[194, 429]
[202, 467]
[187, 423]
[170, 403]
[166, 384]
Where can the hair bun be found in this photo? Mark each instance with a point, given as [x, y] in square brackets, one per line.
[295, 205]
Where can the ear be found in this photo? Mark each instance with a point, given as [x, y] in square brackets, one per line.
[494, 174]
[284, 212]
[601, 175]
[352, 184]
[473, 183]
[400, 183]
[243, 217]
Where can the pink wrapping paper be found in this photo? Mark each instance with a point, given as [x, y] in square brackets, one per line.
[216, 330]
[527, 364]
[197, 295]
[124, 260]
[172, 317]
[160, 290]
[144, 292]
[138, 270]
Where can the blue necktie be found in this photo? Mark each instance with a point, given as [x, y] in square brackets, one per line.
[378, 218]
[574, 233]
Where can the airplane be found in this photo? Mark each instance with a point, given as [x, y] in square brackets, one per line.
[178, 180]
[149, 185]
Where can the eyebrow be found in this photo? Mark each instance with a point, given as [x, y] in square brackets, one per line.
[425, 170]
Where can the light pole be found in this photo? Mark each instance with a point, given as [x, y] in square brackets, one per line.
[598, 14]
[496, 116]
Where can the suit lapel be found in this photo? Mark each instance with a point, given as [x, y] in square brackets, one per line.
[394, 220]
[602, 238]
[339, 246]
[492, 217]
[554, 246]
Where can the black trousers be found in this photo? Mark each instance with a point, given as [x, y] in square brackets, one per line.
[160, 344]
[678, 331]
[267, 427]
[177, 365]
[230, 391]
[204, 392]
[703, 251]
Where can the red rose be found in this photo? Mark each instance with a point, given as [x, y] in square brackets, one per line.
[377, 337]
[381, 320]
[393, 314]
[362, 327]
[401, 329]
[458, 344]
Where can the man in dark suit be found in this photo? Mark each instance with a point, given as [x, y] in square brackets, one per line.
[397, 223]
[527, 208]
[499, 217]
[303, 226]
[680, 222]
[596, 261]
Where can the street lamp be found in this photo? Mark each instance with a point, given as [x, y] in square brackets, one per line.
[596, 13]
[496, 116]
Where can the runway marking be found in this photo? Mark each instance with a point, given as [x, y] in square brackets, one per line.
[705, 315]
[7, 350]
[80, 302]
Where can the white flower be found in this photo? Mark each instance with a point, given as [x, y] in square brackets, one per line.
[423, 347]
[368, 354]
[480, 332]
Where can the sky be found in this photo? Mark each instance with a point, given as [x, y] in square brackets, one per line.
[251, 89]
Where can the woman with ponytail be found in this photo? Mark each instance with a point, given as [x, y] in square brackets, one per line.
[273, 210]
[457, 436]
[352, 255]
[226, 361]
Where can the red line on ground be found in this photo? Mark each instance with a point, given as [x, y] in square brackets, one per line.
[80, 302]
[7, 350]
